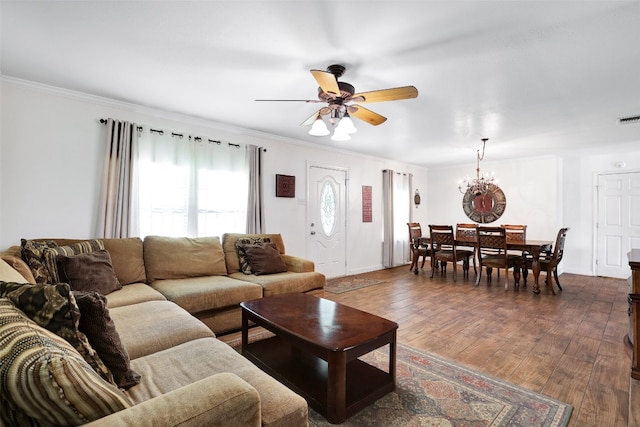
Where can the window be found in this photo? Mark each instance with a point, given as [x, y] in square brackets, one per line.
[328, 208]
[191, 188]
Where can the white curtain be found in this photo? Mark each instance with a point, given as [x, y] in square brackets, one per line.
[255, 209]
[117, 214]
[191, 188]
[396, 193]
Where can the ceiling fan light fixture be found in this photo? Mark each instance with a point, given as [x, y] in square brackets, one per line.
[340, 135]
[319, 128]
[347, 124]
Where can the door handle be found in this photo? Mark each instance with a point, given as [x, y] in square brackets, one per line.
[313, 232]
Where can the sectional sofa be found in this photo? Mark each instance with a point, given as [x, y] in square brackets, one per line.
[169, 299]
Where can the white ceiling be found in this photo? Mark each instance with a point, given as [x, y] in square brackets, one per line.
[536, 77]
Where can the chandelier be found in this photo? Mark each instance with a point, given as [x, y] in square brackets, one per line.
[481, 183]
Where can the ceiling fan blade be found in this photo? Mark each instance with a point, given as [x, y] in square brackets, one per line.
[327, 82]
[394, 94]
[366, 115]
[289, 100]
[312, 118]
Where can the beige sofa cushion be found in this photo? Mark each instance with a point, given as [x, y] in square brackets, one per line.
[182, 257]
[198, 294]
[127, 259]
[9, 274]
[219, 400]
[229, 247]
[17, 263]
[134, 293]
[282, 283]
[153, 326]
[198, 359]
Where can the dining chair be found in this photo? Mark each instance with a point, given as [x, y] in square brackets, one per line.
[491, 248]
[549, 261]
[467, 233]
[417, 250]
[516, 233]
[443, 250]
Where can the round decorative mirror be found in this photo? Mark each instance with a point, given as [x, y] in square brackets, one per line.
[484, 207]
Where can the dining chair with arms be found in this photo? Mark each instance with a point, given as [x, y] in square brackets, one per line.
[491, 247]
[549, 261]
[467, 232]
[417, 250]
[443, 250]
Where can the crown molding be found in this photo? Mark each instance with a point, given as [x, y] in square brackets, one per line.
[178, 117]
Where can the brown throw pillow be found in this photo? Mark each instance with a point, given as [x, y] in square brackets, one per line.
[92, 271]
[245, 267]
[264, 258]
[51, 254]
[97, 325]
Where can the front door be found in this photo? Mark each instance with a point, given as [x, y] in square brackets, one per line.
[326, 216]
[618, 227]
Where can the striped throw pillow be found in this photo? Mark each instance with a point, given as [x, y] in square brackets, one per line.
[45, 381]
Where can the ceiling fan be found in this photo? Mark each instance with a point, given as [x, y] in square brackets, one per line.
[339, 97]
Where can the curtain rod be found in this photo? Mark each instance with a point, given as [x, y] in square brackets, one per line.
[181, 135]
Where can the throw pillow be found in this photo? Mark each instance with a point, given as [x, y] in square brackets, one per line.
[51, 254]
[54, 308]
[91, 271]
[44, 381]
[264, 258]
[32, 252]
[245, 267]
[99, 328]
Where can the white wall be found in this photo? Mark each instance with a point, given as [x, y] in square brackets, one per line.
[581, 200]
[51, 151]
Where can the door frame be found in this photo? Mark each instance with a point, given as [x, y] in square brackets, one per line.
[596, 215]
[309, 165]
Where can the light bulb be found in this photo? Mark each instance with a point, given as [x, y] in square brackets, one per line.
[319, 128]
[340, 135]
[347, 124]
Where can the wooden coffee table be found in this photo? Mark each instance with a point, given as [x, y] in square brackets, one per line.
[316, 348]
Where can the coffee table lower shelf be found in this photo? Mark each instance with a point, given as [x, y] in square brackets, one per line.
[307, 374]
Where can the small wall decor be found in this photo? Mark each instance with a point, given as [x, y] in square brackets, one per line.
[285, 186]
[416, 198]
[367, 208]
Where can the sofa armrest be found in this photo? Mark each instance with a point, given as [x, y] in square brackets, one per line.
[298, 265]
[219, 400]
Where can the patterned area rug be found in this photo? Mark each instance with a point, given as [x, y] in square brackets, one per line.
[431, 391]
[349, 283]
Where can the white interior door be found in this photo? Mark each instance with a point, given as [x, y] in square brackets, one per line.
[618, 228]
[326, 215]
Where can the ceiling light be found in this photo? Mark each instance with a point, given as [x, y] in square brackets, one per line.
[340, 134]
[319, 128]
[341, 122]
[480, 184]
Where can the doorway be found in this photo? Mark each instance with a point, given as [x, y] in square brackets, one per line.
[618, 222]
[327, 219]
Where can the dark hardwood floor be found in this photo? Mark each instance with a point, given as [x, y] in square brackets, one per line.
[569, 346]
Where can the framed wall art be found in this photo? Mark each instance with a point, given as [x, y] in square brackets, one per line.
[285, 185]
[367, 208]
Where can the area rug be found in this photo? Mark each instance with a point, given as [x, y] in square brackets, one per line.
[434, 392]
[349, 283]
[431, 391]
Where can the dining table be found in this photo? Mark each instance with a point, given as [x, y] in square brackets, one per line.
[533, 247]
